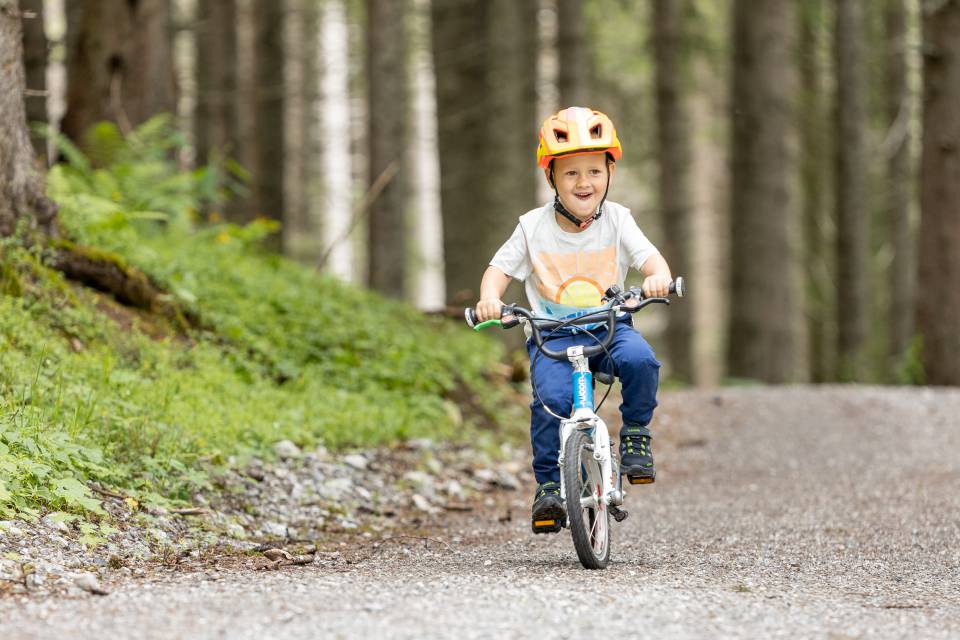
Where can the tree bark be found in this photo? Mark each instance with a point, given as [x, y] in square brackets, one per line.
[675, 164]
[35, 63]
[119, 64]
[851, 188]
[900, 179]
[764, 324]
[484, 54]
[575, 64]
[270, 133]
[938, 309]
[387, 140]
[215, 124]
[509, 169]
[819, 259]
[21, 181]
[459, 54]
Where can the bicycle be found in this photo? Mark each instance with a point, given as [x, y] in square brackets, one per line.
[589, 469]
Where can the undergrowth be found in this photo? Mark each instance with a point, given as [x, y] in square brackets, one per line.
[93, 391]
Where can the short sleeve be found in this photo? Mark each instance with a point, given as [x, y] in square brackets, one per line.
[513, 258]
[634, 243]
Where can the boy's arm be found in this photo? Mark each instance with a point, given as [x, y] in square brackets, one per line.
[492, 287]
[656, 276]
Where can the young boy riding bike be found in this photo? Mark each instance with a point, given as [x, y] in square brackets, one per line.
[568, 253]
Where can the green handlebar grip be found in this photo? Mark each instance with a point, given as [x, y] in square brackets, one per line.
[488, 323]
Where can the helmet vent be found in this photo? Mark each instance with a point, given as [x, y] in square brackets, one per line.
[596, 132]
[561, 135]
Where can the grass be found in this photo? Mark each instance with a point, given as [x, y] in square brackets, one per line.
[91, 390]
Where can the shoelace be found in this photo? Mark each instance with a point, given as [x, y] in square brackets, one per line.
[641, 442]
[548, 487]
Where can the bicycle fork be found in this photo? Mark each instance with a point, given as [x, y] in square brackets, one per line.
[585, 419]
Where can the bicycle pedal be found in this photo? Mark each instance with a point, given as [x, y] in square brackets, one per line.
[548, 525]
[639, 480]
[618, 514]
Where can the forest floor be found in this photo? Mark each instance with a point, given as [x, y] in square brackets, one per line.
[829, 512]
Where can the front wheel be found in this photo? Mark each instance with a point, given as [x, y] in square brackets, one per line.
[587, 512]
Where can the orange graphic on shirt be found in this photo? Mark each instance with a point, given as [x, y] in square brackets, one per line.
[576, 279]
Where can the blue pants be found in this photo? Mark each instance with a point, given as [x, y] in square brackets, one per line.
[635, 364]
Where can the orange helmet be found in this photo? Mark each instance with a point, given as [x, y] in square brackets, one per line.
[574, 131]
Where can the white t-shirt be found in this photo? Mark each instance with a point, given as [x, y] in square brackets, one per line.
[566, 274]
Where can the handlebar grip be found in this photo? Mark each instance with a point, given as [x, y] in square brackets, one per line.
[470, 315]
[679, 287]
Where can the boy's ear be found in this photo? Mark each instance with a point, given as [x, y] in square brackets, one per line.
[547, 174]
[612, 168]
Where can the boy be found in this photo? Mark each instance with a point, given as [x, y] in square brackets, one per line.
[567, 254]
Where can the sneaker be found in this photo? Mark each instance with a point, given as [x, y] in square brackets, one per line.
[636, 456]
[548, 513]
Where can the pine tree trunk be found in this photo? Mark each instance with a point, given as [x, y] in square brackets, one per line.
[675, 164]
[119, 64]
[270, 133]
[509, 172]
[459, 54]
[938, 308]
[817, 219]
[484, 54]
[851, 189]
[575, 69]
[387, 140]
[764, 323]
[35, 63]
[21, 181]
[900, 181]
[312, 165]
[215, 121]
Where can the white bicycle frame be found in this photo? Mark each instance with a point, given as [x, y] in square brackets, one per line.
[586, 420]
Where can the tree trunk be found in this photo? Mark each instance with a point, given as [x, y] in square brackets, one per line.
[900, 181]
[269, 101]
[575, 68]
[484, 54]
[817, 220]
[764, 324]
[35, 63]
[312, 165]
[509, 172]
[119, 64]
[675, 164]
[851, 188]
[21, 181]
[459, 54]
[215, 123]
[938, 309]
[387, 140]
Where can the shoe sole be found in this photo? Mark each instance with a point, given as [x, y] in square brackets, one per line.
[551, 519]
[639, 475]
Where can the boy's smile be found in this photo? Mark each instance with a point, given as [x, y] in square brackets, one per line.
[581, 182]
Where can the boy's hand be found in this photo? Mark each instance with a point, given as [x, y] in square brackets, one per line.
[656, 286]
[489, 309]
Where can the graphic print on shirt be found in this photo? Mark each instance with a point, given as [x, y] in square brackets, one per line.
[571, 284]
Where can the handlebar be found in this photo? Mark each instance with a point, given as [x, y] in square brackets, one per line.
[616, 301]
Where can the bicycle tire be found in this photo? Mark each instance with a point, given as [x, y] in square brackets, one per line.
[589, 526]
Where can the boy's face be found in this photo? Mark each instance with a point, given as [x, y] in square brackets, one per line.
[581, 182]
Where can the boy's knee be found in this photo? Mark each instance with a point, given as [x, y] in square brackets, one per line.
[639, 357]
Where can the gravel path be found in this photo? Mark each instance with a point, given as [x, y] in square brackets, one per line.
[803, 512]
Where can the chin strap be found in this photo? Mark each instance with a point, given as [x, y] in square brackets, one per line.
[562, 210]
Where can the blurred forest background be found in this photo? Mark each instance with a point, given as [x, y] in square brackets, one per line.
[797, 162]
